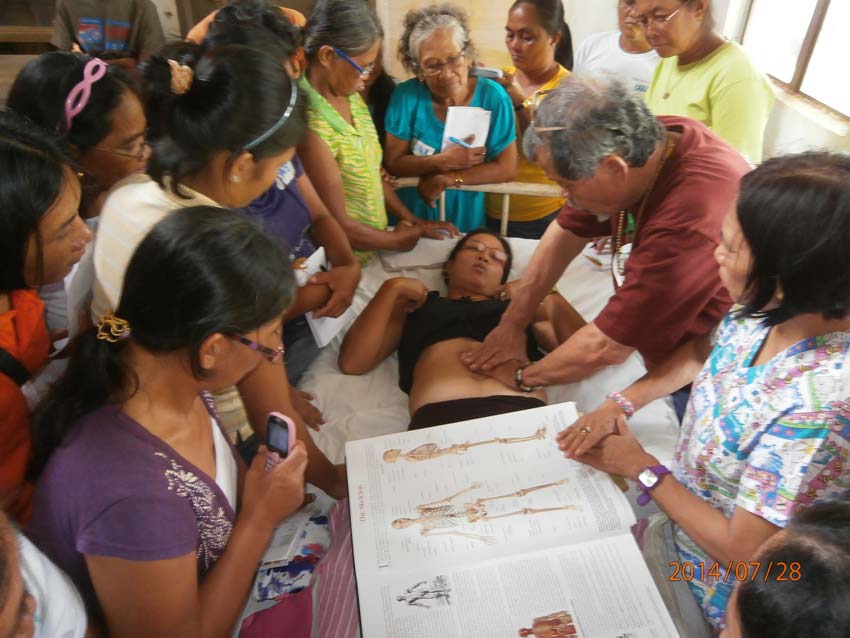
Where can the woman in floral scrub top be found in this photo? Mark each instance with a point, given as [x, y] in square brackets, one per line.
[767, 428]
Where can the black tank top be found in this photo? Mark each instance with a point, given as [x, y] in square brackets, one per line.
[440, 319]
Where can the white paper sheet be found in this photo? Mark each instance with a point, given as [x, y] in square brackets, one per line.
[463, 121]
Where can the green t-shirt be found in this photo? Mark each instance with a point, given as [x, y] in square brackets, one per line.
[725, 91]
[357, 153]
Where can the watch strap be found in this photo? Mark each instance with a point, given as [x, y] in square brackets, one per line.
[646, 496]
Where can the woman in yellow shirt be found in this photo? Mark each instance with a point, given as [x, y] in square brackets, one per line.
[539, 42]
[703, 76]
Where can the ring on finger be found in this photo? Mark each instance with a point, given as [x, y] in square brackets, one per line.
[585, 430]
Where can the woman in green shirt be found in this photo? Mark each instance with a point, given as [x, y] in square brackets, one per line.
[341, 153]
[703, 76]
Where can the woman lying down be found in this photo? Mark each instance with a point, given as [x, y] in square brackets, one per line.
[430, 331]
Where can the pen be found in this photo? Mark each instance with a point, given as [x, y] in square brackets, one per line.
[459, 142]
[594, 261]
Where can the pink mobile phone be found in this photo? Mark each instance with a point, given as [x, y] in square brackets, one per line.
[280, 437]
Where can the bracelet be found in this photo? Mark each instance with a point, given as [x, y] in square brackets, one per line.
[458, 180]
[520, 106]
[518, 379]
[625, 405]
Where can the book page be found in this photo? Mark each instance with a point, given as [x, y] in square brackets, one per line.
[475, 491]
[600, 589]
[463, 121]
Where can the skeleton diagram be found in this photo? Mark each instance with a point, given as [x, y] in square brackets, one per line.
[442, 517]
[437, 591]
[557, 625]
[429, 451]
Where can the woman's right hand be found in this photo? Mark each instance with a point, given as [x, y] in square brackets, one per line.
[458, 158]
[512, 87]
[410, 293]
[272, 495]
[406, 236]
[590, 429]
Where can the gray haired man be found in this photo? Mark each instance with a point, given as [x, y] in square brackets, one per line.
[660, 188]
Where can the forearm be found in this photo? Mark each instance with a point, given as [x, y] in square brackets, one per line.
[677, 371]
[373, 336]
[328, 233]
[395, 206]
[409, 165]
[582, 355]
[309, 297]
[266, 389]
[556, 250]
[565, 319]
[501, 169]
[226, 588]
[364, 237]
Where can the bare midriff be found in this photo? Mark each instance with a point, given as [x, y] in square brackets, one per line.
[440, 375]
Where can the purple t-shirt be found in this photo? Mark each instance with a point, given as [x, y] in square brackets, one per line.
[282, 212]
[114, 489]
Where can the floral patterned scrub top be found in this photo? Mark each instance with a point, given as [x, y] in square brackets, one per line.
[765, 438]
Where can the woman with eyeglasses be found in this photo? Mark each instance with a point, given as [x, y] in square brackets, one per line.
[430, 331]
[539, 42]
[140, 498]
[436, 47]
[226, 120]
[341, 152]
[703, 76]
[41, 238]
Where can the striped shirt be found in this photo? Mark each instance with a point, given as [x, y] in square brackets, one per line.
[358, 155]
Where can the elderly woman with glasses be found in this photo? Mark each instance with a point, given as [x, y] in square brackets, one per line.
[430, 330]
[341, 153]
[436, 47]
[703, 76]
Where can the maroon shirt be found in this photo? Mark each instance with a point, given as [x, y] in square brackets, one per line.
[672, 292]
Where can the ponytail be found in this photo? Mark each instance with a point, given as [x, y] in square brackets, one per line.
[564, 50]
[236, 99]
[96, 375]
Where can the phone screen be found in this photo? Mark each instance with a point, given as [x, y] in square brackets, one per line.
[278, 436]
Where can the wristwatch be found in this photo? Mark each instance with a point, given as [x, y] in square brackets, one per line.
[648, 479]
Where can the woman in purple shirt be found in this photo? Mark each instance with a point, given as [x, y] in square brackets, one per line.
[138, 488]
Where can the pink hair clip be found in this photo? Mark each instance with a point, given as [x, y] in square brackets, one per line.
[79, 96]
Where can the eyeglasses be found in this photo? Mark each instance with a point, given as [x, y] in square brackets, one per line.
[437, 67]
[135, 155]
[655, 21]
[496, 254]
[272, 355]
[363, 71]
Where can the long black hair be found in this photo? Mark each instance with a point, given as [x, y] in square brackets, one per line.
[42, 86]
[33, 169]
[199, 271]
[237, 94]
[506, 246]
[551, 13]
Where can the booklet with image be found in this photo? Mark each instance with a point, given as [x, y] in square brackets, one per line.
[482, 529]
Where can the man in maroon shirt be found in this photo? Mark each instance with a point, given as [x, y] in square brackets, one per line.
[660, 187]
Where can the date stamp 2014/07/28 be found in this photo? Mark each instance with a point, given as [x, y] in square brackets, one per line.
[736, 571]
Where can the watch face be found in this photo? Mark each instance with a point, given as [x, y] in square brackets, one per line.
[648, 478]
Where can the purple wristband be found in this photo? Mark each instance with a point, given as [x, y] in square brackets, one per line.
[626, 406]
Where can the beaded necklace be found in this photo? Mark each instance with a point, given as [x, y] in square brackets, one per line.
[621, 218]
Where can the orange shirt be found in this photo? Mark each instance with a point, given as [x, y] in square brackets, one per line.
[23, 332]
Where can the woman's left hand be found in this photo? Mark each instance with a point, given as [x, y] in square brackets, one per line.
[432, 186]
[504, 373]
[620, 454]
[342, 280]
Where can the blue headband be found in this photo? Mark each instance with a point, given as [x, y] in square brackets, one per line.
[276, 126]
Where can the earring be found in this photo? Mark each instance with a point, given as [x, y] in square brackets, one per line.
[235, 178]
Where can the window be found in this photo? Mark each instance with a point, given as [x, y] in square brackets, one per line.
[800, 43]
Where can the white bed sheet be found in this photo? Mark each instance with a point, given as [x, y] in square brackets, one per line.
[357, 407]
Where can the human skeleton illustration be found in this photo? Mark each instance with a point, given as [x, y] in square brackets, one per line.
[443, 516]
[438, 590]
[429, 451]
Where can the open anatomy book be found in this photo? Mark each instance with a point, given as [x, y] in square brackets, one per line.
[482, 529]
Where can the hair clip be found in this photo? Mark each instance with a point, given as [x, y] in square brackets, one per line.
[79, 96]
[181, 77]
[111, 328]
